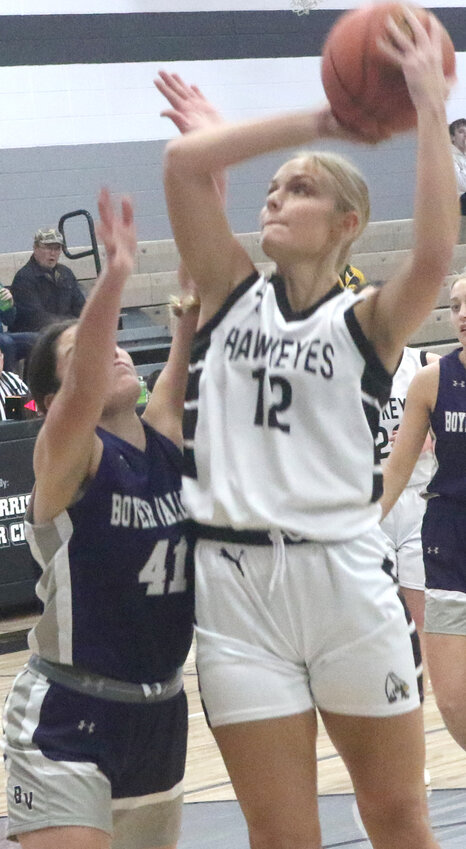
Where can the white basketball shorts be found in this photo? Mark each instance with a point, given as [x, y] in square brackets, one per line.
[280, 632]
[402, 527]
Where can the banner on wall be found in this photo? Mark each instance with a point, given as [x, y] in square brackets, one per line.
[18, 571]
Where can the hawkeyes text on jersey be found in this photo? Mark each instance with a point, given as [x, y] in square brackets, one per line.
[411, 362]
[281, 415]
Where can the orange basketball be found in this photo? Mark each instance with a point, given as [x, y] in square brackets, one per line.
[360, 81]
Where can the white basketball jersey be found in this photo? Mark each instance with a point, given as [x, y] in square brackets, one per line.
[411, 362]
[281, 416]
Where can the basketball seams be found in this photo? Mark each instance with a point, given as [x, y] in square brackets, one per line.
[365, 59]
[367, 66]
[351, 87]
[352, 100]
[380, 72]
[360, 83]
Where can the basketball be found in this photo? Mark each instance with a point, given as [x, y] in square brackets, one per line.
[362, 82]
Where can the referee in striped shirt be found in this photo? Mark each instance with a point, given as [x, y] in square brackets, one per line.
[10, 384]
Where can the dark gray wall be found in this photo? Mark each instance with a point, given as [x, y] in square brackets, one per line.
[38, 185]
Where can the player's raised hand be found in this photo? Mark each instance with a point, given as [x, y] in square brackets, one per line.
[418, 51]
[190, 109]
[117, 232]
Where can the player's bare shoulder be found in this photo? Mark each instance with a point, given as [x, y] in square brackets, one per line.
[56, 487]
[424, 385]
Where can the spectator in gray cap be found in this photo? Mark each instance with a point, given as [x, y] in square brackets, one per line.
[44, 290]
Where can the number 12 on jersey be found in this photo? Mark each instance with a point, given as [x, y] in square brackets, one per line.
[284, 397]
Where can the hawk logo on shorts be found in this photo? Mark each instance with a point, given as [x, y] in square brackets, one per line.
[395, 688]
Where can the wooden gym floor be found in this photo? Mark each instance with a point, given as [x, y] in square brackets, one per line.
[212, 819]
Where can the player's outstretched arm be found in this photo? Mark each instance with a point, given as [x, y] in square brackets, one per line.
[165, 408]
[407, 299]
[215, 259]
[411, 435]
[66, 441]
[189, 110]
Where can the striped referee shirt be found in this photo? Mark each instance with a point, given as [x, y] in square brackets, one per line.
[10, 384]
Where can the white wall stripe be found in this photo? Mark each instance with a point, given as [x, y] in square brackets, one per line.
[99, 7]
[101, 104]
[118, 102]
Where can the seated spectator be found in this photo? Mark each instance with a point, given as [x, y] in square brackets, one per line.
[458, 139]
[14, 346]
[10, 384]
[43, 289]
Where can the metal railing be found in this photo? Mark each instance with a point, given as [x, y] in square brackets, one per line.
[94, 250]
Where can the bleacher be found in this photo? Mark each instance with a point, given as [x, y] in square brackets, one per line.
[145, 322]
[382, 249]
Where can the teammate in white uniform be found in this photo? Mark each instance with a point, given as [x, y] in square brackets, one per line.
[293, 608]
[403, 524]
[437, 400]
